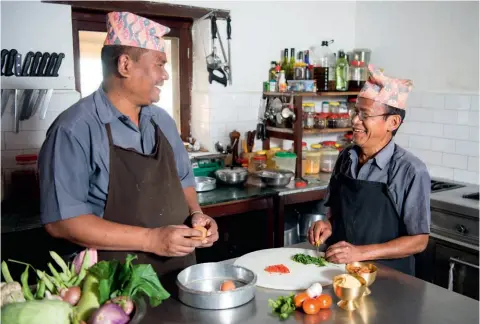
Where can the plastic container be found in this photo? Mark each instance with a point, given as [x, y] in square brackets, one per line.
[302, 85]
[285, 161]
[328, 158]
[312, 162]
[332, 121]
[258, 163]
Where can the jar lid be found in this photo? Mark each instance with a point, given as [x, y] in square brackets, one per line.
[328, 143]
[262, 152]
[275, 149]
[308, 104]
[285, 155]
[334, 103]
[323, 115]
[316, 146]
[259, 158]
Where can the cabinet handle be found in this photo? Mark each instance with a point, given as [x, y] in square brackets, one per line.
[455, 260]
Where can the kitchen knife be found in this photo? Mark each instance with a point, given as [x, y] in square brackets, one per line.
[27, 62]
[36, 61]
[18, 64]
[57, 64]
[43, 64]
[51, 64]
[10, 62]
[4, 58]
[45, 103]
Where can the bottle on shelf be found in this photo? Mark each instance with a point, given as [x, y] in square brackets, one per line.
[272, 73]
[323, 60]
[291, 64]
[282, 82]
[341, 72]
[284, 64]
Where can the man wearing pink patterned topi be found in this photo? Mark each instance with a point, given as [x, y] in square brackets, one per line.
[114, 173]
[379, 194]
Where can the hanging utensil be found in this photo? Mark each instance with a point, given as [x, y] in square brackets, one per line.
[16, 117]
[10, 63]
[7, 97]
[45, 104]
[27, 63]
[229, 37]
[43, 64]
[58, 62]
[35, 63]
[4, 59]
[51, 64]
[214, 63]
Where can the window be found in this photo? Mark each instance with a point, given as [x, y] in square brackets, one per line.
[90, 46]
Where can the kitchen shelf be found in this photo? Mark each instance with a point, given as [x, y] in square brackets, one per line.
[297, 133]
[312, 94]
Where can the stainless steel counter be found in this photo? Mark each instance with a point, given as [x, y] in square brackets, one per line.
[395, 298]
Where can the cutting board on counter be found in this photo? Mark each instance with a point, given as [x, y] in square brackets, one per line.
[301, 276]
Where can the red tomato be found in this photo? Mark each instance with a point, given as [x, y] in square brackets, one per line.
[300, 298]
[325, 301]
[311, 306]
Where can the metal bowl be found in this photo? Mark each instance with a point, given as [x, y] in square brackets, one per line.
[199, 286]
[205, 184]
[368, 276]
[275, 178]
[348, 296]
[232, 176]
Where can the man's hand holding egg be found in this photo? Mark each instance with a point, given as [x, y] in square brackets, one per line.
[208, 228]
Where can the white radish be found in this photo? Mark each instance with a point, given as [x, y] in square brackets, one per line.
[314, 290]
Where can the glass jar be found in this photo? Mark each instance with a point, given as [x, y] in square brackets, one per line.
[312, 162]
[308, 107]
[321, 120]
[351, 104]
[259, 162]
[333, 107]
[270, 154]
[309, 120]
[316, 147]
[328, 158]
[325, 107]
[332, 121]
[343, 120]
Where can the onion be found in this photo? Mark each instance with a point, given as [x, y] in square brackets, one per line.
[109, 314]
[314, 290]
[77, 262]
[124, 302]
[71, 295]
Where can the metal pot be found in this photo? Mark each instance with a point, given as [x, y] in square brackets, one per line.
[307, 220]
[275, 178]
[232, 176]
[205, 184]
[290, 233]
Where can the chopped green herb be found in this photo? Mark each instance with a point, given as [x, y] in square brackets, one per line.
[307, 259]
[283, 306]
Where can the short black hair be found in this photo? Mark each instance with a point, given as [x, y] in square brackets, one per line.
[111, 53]
[389, 110]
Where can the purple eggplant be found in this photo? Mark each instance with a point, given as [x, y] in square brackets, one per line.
[109, 314]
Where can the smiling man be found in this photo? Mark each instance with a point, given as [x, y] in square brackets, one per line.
[114, 173]
[379, 194]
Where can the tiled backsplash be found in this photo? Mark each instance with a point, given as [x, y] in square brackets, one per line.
[32, 131]
[442, 129]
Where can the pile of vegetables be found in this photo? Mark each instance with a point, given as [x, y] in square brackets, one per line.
[85, 291]
[307, 259]
[312, 301]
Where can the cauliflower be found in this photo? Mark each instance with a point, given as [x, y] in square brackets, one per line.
[10, 293]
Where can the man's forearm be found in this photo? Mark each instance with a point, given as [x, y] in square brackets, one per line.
[397, 248]
[95, 232]
[192, 199]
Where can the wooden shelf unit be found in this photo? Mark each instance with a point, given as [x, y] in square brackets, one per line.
[297, 133]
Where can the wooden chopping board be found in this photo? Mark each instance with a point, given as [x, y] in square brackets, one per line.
[301, 276]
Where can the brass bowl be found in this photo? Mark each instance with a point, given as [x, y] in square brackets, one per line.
[348, 296]
[369, 277]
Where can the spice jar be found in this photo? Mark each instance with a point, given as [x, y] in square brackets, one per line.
[321, 120]
[312, 162]
[332, 121]
[309, 120]
[316, 147]
[259, 162]
[333, 107]
[328, 157]
[343, 120]
[351, 104]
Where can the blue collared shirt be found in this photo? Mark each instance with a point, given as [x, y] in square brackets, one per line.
[407, 179]
[74, 160]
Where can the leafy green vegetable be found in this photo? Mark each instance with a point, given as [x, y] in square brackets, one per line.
[283, 306]
[307, 259]
[130, 280]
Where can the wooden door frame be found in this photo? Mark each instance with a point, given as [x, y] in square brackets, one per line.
[90, 15]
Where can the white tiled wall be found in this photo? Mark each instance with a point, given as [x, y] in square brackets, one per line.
[442, 130]
[32, 131]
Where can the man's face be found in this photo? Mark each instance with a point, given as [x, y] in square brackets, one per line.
[146, 75]
[374, 129]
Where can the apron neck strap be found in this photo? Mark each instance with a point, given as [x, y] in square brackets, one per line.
[109, 134]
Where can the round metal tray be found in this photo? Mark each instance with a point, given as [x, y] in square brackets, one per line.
[199, 286]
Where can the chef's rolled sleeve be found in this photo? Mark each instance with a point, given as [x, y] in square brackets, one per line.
[64, 177]
[184, 167]
[416, 207]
